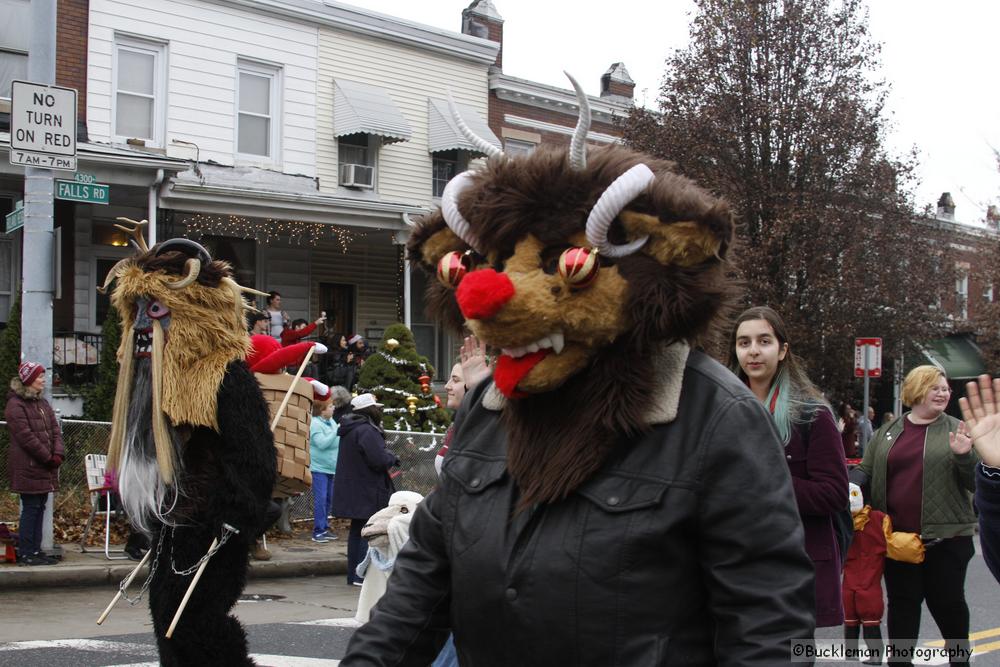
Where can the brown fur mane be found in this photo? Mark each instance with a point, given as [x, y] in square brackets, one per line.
[559, 439]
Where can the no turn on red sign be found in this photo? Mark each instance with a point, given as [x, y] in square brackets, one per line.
[870, 348]
[42, 125]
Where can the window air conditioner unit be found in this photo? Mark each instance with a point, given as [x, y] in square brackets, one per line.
[357, 176]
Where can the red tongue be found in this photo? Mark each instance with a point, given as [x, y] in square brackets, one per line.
[510, 371]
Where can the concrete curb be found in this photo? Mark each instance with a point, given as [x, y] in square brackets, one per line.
[110, 574]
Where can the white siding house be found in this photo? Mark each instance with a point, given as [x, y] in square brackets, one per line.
[204, 73]
[311, 130]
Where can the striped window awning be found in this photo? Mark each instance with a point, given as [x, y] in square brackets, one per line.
[360, 108]
[443, 133]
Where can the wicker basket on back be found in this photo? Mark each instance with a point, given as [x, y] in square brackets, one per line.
[291, 435]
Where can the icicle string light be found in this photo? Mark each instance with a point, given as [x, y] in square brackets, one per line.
[268, 230]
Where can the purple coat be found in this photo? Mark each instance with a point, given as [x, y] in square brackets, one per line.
[34, 439]
[819, 478]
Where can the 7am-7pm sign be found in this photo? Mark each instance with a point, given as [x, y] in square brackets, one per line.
[42, 126]
[868, 356]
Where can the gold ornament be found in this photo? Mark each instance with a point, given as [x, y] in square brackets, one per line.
[391, 344]
[412, 402]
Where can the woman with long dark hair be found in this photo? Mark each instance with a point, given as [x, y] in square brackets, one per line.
[760, 355]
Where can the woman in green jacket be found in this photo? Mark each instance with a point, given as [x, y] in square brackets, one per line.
[924, 481]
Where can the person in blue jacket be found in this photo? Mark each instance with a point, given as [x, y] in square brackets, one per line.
[324, 445]
[981, 411]
[363, 483]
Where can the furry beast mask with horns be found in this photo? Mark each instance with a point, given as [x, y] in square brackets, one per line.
[578, 266]
[182, 324]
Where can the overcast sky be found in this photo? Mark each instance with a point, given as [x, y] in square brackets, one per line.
[940, 58]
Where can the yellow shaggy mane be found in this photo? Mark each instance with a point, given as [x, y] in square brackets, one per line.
[206, 333]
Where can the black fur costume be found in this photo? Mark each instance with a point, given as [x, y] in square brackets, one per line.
[191, 443]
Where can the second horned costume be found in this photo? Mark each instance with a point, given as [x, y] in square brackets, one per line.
[593, 507]
[191, 442]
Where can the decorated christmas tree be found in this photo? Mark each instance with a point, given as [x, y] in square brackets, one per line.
[400, 379]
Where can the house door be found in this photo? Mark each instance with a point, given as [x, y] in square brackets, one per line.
[338, 302]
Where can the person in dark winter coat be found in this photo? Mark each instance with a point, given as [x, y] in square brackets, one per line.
[363, 483]
[35, 454]
[760, 356]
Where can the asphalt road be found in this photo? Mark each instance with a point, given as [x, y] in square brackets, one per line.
[300, 623]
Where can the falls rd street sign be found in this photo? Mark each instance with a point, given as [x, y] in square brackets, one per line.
[90, 193]
[42, 125]
[15, 219]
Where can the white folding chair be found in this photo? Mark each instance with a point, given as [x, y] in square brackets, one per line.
[100, 503]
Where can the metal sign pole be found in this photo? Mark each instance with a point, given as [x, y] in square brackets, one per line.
[864, 406]
[37, 268]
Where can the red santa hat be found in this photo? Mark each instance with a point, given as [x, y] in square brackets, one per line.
[321, 392]
[268, 357]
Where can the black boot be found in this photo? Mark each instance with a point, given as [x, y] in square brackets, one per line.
[876, 647]
[851, 634]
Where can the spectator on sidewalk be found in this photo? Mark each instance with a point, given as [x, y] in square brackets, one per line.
[981, 410]
[299, 330]
[921, 470]
[324, 444]
[849, 432]
[258, 323]
[341, 399]
[761, 357]
[34, 456]
[278, 317]
[866, 428]
[363, 462]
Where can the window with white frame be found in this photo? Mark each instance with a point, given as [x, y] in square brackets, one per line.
[962, 296]
[444, 166]
[258, 110]
[988, 293]
[139, 89]
[15, 30]
[515, 147]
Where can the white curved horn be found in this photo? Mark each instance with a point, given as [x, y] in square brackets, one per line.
[578, 145]
[481, 144]
[624, 189]
[192, 267]
[449, 209]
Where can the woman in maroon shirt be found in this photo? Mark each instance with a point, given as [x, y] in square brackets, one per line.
[921, 469]
[760, 356]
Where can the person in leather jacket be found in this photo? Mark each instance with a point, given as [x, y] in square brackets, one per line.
[614, 496]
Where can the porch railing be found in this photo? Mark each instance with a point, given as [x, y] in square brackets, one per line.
[75, 356]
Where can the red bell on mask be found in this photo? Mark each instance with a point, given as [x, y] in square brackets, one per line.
[452, 268]
[579, 266]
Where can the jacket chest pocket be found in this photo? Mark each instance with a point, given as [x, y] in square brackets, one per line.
[615, 522]
[476, 498]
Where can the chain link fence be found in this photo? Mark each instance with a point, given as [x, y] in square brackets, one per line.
[416, 452]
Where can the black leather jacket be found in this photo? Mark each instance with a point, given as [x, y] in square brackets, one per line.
[688, 550]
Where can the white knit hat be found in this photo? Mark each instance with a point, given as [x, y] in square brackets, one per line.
[364, 401]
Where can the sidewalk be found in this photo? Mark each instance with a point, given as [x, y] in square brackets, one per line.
[294, 556]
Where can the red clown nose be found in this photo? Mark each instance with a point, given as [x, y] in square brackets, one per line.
[482, 294]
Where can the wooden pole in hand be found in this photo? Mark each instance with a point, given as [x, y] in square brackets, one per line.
[127, 582]
[187, 595]
[288, 394]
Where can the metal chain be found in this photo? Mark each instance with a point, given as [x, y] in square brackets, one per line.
[149, 578]
[227, 532]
